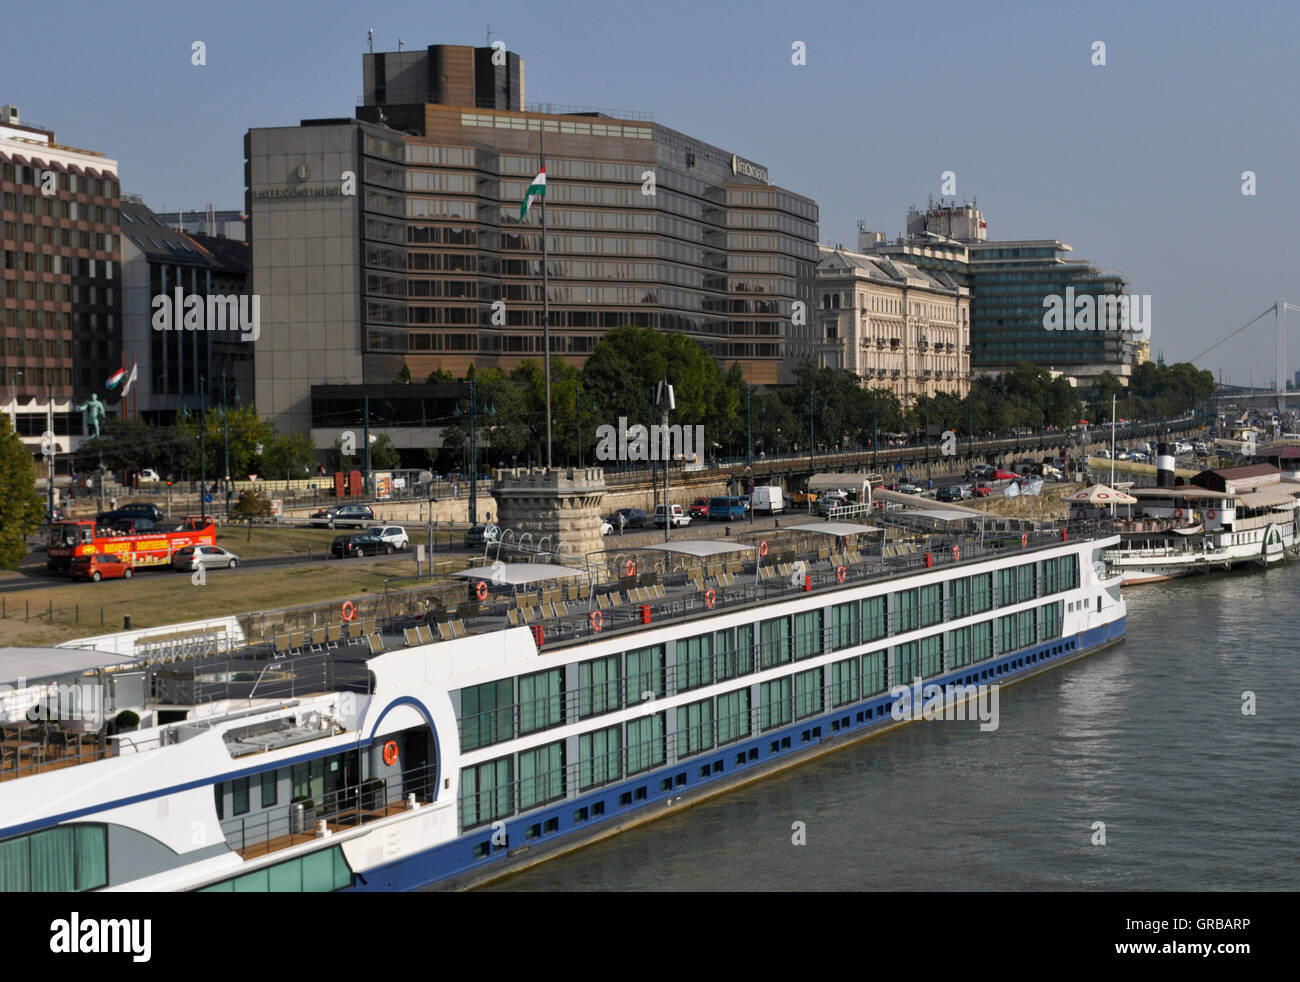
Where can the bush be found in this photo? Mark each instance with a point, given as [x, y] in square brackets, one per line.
[126, 720]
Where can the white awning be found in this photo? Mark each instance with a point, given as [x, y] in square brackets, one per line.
[834, 528]
[516, 574]
[26, 665]
[696, 547]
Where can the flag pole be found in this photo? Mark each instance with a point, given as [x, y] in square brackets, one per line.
[546, 305]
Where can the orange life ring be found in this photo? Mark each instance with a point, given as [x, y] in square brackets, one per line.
[839, 573]
[1024, 539]
[597, 620]
[1211, 513]
[390, 753]
[956, 553]
[710, 598]
[929, 560]
[349, 611]
[480, 590]
[762, 548]
[629, 568]
[1178, 513]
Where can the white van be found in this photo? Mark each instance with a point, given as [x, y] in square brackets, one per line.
[680, 516]
[767, 500]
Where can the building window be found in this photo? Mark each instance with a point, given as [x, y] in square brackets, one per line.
[486, 792]
[268, 788]
[598, 686]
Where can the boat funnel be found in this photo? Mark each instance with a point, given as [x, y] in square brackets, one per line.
[1164, 466]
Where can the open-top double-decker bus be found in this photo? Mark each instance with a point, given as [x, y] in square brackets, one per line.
[153, 548]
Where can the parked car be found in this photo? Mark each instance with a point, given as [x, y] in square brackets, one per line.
[680, 517]
[980, 490]
[147, 478]
[803, 498]
[605, 527]
[101, 566]
[130, 526]
[633, 518]
[1104, 454]
[358, 544]
[700, 508]
[950, 493]
[744, 500]
[725, 509]
[140, 510]
[192, 558]
[908, 489]
[343, 515]
[1001, 475]
[983, 471]
[480, 535]
[393, 535]
[767, 500]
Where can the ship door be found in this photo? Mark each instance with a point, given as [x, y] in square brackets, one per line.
[417, 779]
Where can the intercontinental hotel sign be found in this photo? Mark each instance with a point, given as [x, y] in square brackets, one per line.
[740, 165]
[319, 191]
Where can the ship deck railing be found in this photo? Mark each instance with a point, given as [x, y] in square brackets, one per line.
[299, 822]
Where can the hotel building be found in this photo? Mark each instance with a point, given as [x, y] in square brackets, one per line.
[423, 258]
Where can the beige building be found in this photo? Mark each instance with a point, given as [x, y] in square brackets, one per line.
[892, 324]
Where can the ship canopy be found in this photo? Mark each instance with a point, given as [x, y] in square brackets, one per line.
[1099, 494]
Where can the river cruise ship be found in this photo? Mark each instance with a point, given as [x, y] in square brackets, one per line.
[558, 704]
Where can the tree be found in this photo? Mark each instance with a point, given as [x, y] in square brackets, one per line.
[439, 375]
[20, 509]
[404, 376]
[287, 455]
[250, 506]
[383, 455]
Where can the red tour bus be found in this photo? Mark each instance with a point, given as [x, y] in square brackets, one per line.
[153, 548]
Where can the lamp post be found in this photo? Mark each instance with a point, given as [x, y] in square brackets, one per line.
[203, 453]
[875, 430]
[225, 426]
[749, 445]
[49, 450]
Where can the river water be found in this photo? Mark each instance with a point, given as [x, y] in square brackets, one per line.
[1147, 737]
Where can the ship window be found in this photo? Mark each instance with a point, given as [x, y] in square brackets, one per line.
[552, 825]
[581, 815]
[64, 859]
[600, 757]
[219, 793]
[598, 808]
[239, 796]
[533, 831]
[704, 772]
[268, 788]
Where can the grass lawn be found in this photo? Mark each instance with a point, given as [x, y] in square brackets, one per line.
[161, 596]
[270, 541]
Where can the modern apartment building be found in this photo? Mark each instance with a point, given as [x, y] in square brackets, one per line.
[428, 262]
[60, 312]
[893, 324]
[1009, 282]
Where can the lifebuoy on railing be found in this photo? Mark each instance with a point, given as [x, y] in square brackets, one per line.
[1064, 535]
[597, 620]
[762, 548]
[349, 611]
[1178, 513]
[1211, 513]
[480, 590]
[839, 573]
[710, 598]
[929, 560]
[1024, 539]
[629, 568]
[390, 753]
[956, 553]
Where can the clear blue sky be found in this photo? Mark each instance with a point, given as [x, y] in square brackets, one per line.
[1136, 164]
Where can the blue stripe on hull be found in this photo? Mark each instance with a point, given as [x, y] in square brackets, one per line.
[456, 865]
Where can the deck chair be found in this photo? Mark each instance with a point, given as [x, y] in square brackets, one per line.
[561, 608]
[333, 635]
[281, 646]
[444, 632]
[425, 634]
[318, 638]
[411, 636]
[298, 641]
[602, 601]
[375, 642]
[458, 629]
[512, 615]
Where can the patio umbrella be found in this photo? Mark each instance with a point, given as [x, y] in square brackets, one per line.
[1099, 494]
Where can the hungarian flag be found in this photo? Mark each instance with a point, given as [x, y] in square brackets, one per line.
[116, 378]
[535, 190]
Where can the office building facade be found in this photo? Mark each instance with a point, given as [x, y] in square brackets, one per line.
[646, 227]
[60, 312]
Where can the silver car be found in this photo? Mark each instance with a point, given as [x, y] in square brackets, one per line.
[394, 535]
[192, 558]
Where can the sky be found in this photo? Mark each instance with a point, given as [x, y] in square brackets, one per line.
[1136, 163]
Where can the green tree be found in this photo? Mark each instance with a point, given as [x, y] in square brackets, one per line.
[383, 455]
[20, 509]
[404, 376]
[249, 507]
[439, 375]
[247, 431]
[289, 457]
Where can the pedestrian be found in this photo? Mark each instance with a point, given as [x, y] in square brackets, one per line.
[622, 521]
[112, 503]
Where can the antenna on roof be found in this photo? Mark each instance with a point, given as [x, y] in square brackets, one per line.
[400, 43]
[489, 35]
[370, 39]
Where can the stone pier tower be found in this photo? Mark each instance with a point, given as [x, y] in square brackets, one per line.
[563, 503]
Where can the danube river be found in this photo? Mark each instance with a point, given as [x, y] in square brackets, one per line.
[1147, 737]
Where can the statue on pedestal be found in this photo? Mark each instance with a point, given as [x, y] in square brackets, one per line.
[94, 410]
